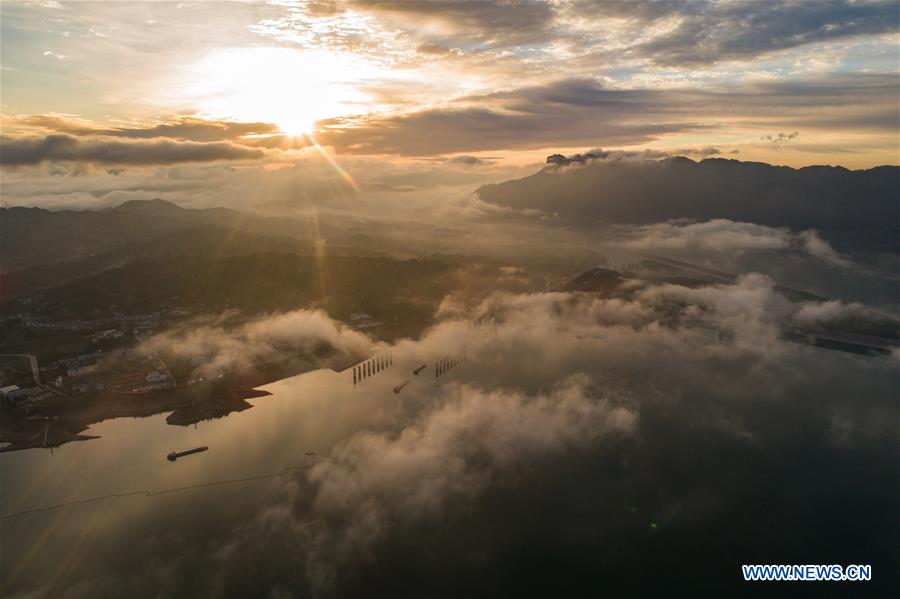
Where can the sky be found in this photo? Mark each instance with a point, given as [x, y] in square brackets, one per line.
[467, 84]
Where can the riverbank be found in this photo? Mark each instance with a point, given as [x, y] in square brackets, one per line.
[64, 421]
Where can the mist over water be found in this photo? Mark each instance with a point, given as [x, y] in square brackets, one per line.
[588, 439]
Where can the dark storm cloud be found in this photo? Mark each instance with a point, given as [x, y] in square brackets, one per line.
[707, 32]
[34, 150]
[186, 129]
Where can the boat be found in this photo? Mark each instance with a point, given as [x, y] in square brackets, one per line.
[174, 455]
[399, 387]
[419, 369]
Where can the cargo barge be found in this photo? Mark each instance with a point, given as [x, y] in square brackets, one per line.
[174, 455]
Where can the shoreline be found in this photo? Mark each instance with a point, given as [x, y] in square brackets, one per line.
[63, 423]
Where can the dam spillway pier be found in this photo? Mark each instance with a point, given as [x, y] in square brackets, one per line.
[444, 365]
[372, 366]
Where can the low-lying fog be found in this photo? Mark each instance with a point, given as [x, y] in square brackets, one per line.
[579, 443]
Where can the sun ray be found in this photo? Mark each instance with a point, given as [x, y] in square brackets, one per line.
[288, 87]
[347, 177]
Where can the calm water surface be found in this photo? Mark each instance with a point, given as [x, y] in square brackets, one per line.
[309, 412]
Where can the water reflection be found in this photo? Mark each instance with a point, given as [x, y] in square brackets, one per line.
[307, 413]
[711, 474]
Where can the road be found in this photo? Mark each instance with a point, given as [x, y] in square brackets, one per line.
[816, 336]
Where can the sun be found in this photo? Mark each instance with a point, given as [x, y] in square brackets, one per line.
[290, 88]
[294, 125]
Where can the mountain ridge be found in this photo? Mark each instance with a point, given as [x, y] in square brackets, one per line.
[855, 210]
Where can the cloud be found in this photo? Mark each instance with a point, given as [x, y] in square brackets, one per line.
[638, 155]
[665, 33]
[59, 123]
[454, 130]
[195, 130]
[465, 160]
[499, 46]
[496, 23]
[585, 111]
[781, 137]
[714, 235]
[68, 148]
[304, 179]
[722, 235]
[815, 313]
[820, 248]
[453, 452]
[705, 32]
[184, 129]
[291, 337]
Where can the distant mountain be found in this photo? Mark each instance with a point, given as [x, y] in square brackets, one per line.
[154, 207]
[42, 248]
[32, 237]
[855, 210]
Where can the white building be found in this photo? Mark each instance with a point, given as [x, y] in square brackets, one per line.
[14, 393]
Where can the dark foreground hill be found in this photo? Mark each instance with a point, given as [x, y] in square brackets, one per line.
[855, 210]
[401, 293]
[201, 240]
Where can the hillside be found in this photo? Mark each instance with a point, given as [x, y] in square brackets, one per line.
[199, 240]
[34, 236]
[401, 293]
[855, 210]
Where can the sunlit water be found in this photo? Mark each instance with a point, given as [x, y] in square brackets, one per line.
[307, 413]
[755, 481]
